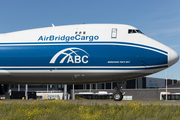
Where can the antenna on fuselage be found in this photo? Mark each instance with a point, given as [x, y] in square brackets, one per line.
[53, 25]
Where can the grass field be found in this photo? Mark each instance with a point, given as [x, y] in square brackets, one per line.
[57, 109]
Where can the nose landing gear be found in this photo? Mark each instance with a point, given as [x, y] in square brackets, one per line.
[118, 95]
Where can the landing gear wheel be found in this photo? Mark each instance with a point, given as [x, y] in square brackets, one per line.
[117, 96]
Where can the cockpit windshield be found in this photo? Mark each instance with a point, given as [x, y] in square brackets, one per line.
[139, 31]
[134, 31]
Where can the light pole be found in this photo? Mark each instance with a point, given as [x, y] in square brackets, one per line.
[18, 87]
[172, 80]
[47, 92]
[26, 92]
[73, 93]
[166, 83]
[65, 91]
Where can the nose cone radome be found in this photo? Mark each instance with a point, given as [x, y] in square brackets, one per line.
[173, 57]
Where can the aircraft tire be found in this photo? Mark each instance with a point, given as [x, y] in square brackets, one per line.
[117, 96]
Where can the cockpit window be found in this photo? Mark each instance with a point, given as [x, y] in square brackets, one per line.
[131, 31]
[134, 31]
[139, 31]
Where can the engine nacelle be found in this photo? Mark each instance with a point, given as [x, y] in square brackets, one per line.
[4, 88]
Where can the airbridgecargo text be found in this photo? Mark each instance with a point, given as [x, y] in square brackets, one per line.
[67, 38]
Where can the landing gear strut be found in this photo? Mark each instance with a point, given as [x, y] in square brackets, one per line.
[118, 95]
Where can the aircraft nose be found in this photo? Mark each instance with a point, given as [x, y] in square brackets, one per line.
[173, 57]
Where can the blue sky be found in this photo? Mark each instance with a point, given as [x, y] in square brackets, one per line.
[159, 20]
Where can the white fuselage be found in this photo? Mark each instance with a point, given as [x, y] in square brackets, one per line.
[76, 54]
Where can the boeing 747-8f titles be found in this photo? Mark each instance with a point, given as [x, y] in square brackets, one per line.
[77, 54]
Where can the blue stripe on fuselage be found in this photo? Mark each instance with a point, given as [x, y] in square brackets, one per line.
[165, 66]
[49, 43]
[40, 54]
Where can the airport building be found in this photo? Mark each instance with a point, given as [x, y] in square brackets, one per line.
[139, 83]
[143, 88]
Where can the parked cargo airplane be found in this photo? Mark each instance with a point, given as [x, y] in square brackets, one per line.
[77, 54]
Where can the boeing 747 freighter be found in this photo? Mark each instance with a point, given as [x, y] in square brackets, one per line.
[78, 54]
